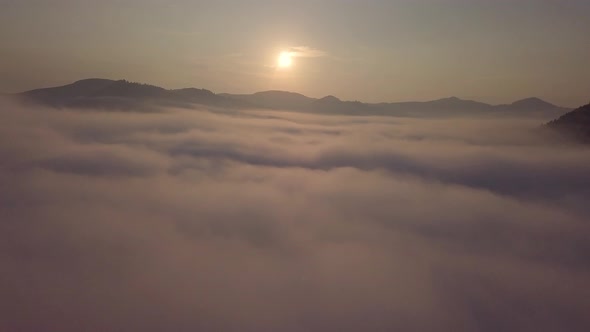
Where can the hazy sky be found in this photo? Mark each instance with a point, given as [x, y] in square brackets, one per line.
[374, 50]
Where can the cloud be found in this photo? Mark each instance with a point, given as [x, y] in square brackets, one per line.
[203, 219]
[306, 52]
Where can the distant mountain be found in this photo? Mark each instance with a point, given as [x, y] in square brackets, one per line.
[92, 88]
[275, 100]
[533, 106]
[103, 93]
[445, 107]
[532, 103]
[452, 106]
[575, 124]
[196, 95]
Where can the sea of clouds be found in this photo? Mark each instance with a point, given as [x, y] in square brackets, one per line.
[223, 220]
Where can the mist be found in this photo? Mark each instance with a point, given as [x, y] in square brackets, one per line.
[212, 219]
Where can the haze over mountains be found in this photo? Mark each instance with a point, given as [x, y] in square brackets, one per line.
[103, 93]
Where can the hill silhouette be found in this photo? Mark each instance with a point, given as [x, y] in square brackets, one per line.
[274, 99]
[103, 93]
[575, 124]
[452, 106]
[122, 94]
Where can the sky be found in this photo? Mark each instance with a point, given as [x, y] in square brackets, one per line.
[495, 51]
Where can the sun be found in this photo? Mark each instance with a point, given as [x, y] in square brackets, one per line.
[285, 60]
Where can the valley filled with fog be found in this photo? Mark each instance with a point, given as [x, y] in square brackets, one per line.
[224, 219]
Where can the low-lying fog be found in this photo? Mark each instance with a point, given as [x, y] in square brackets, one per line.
[221, 220]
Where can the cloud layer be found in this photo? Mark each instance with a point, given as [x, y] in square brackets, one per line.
[216, 220]
[306, 52]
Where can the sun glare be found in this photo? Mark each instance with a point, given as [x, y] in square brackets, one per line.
[285, 60]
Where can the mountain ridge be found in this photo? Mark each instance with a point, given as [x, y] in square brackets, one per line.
[97, 91]
[105, 93]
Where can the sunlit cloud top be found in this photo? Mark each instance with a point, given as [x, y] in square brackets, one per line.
[306, 52]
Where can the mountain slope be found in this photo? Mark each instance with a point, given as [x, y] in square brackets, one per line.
[575, 124]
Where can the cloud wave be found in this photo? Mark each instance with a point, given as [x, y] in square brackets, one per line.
[256, 220]
[306, 52]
